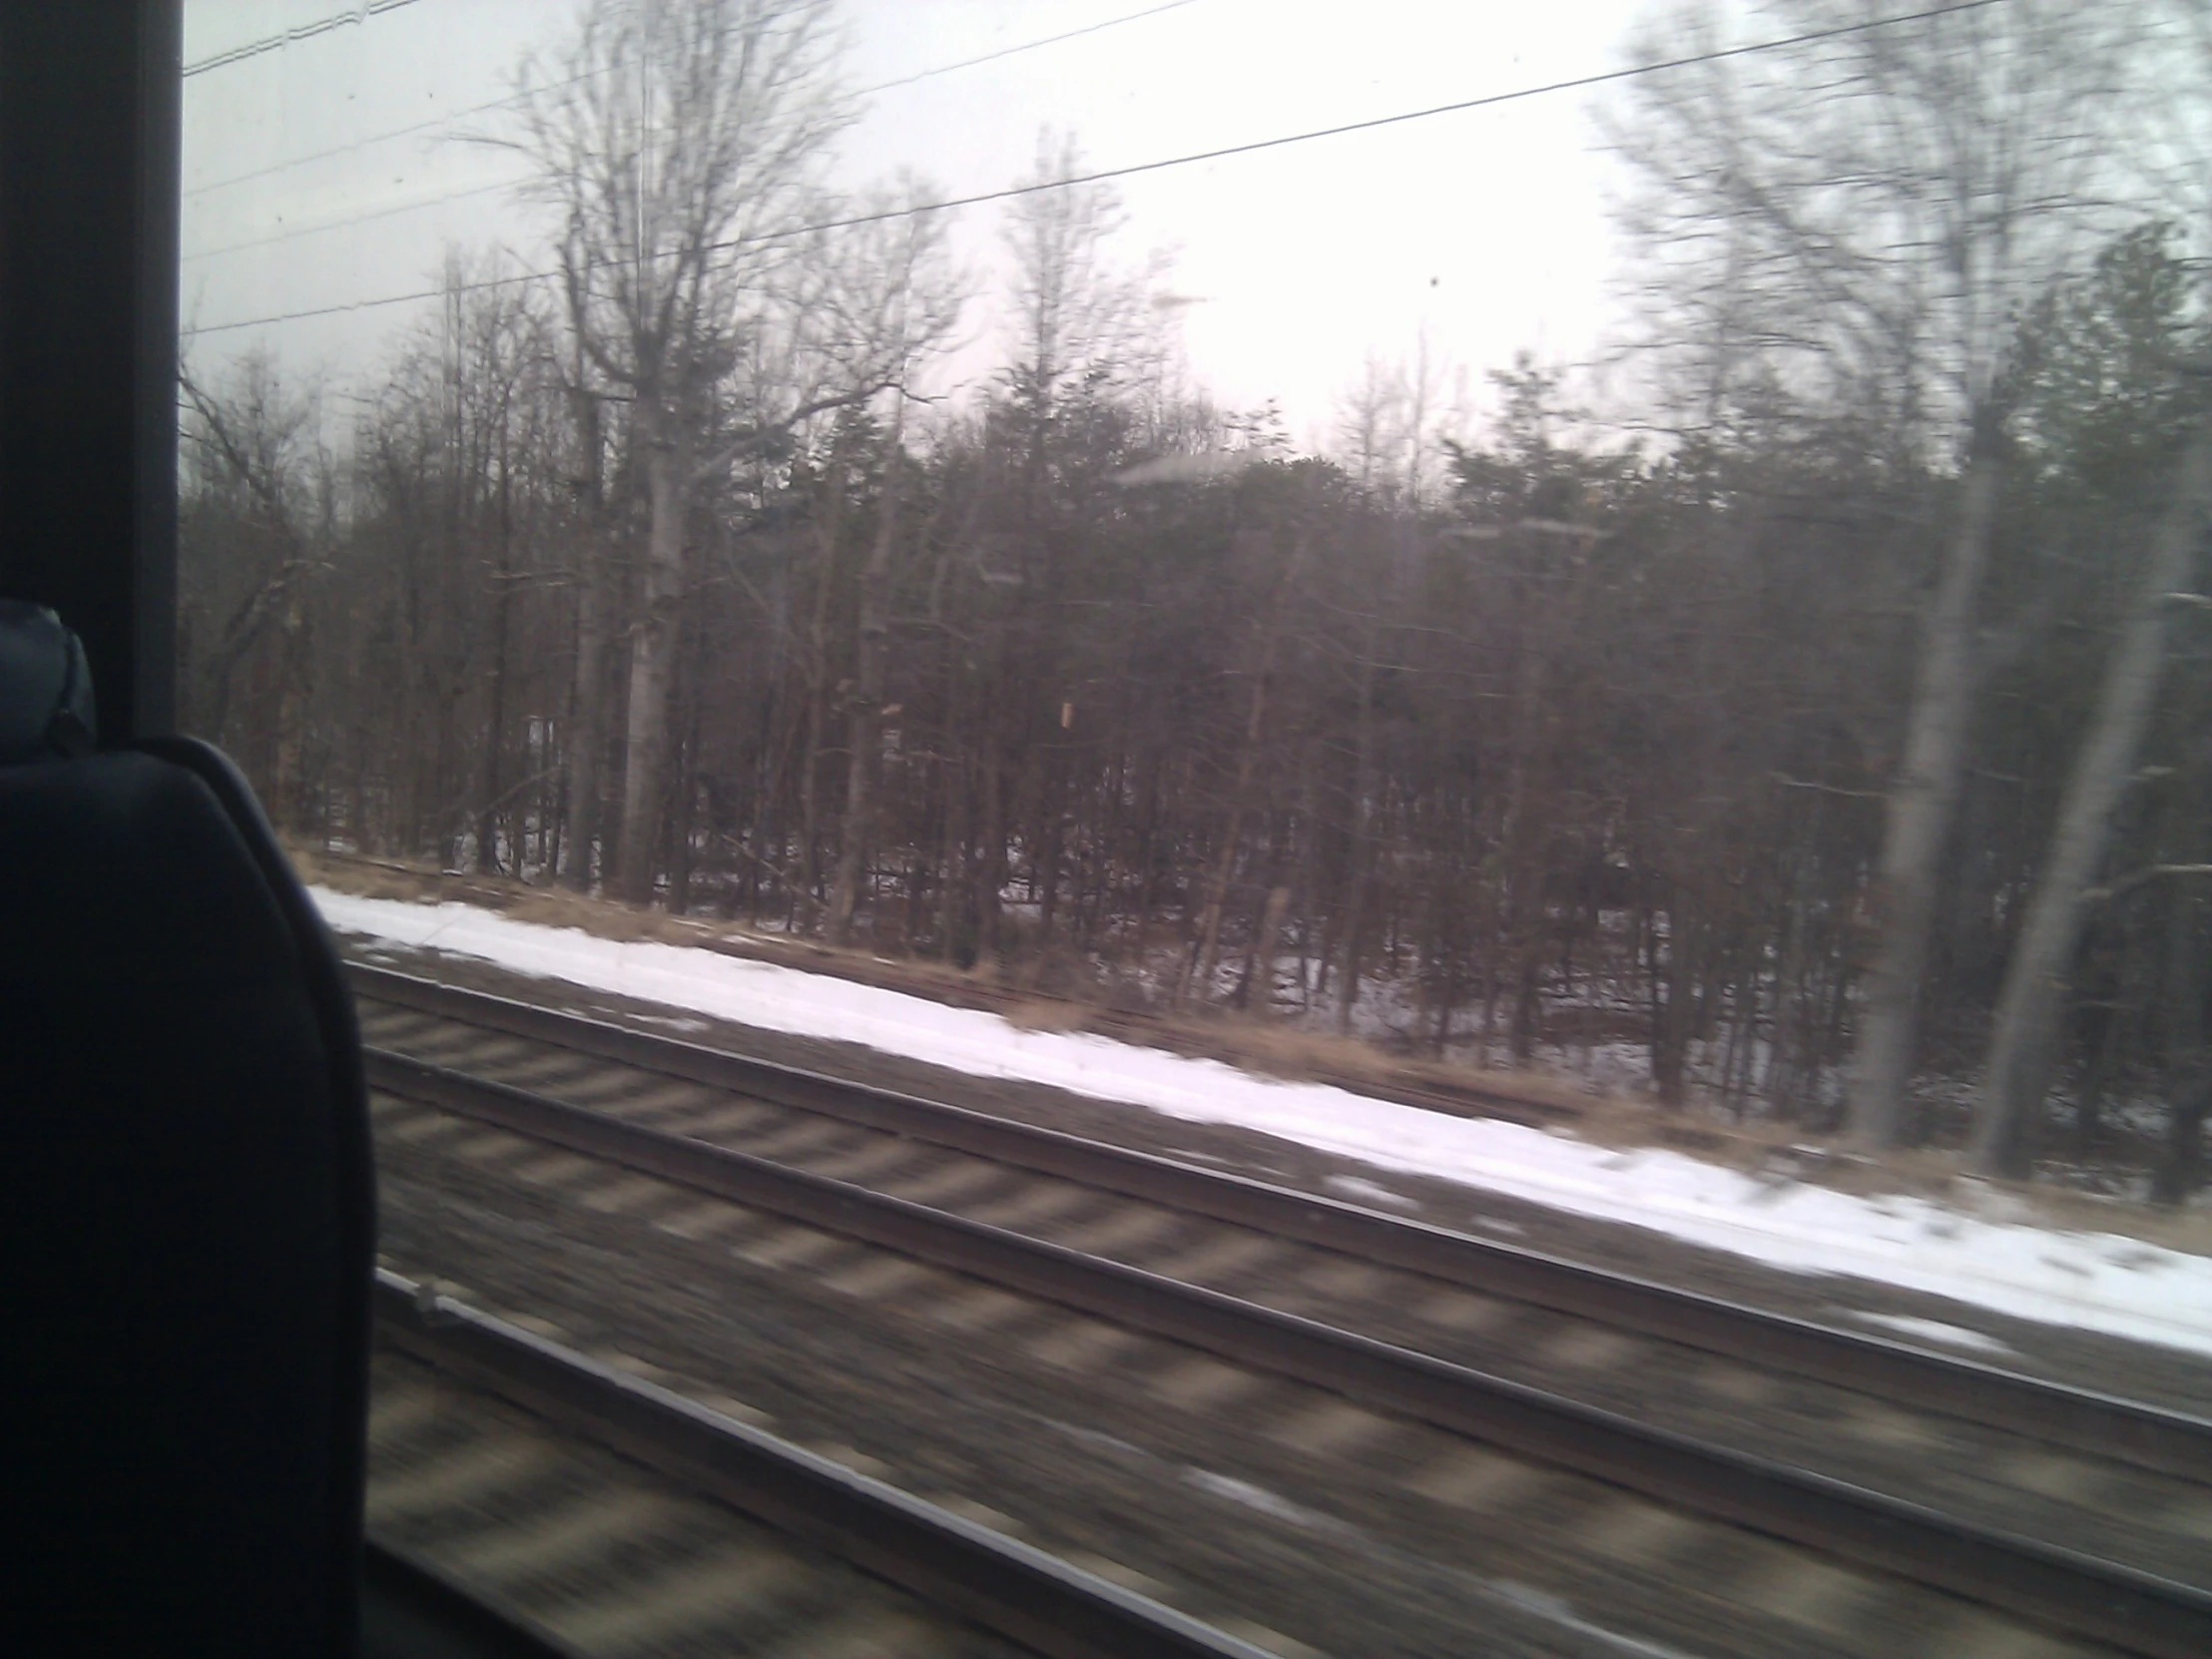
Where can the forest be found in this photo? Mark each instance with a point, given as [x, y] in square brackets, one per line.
[1813, 714]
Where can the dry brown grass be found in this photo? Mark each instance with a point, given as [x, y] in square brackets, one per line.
[547, 906]
[1047, 1013]
[1273, 1049]
[1253, 1043]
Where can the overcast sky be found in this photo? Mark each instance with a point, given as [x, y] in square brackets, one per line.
[1485, 228]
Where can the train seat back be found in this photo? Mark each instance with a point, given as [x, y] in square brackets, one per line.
[186, 1201]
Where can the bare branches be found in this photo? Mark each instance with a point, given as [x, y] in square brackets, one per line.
[678, 146]
[1856, 227]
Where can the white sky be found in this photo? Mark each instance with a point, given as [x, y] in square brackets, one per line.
[1487, 228]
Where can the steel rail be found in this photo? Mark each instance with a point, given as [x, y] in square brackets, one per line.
[952, 1564]
[2076, 1593]
[2153, 1437]
[411, 1608]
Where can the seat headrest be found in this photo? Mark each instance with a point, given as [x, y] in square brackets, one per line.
[45, 687]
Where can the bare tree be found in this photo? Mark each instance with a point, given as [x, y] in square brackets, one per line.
[681, 145]
[256, 444]
[588, 527]
[1075, 314]
[903, 291]
[2021, 1044]
[2173, 155]
[1859, 222]
[1371, 425]
[1392, 424]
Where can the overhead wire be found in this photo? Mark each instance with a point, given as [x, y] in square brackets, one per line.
[510, 99]
[304, 31]
[369, 217]
[1026, 46]
[250, 243]
[1136, 168]
[431, 125]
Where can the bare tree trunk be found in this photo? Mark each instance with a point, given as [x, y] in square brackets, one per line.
[587, 734]
[652, 661]
[549, 817]
[487, 818]
[1258, 968]
[683, 805]
[587, 726]
[864, 718]
[817, 679]
[2181, 1171]
[2185, 973]
[1356, 875]
[1148, 862]
[294, 648]
[955, 929]
[1051, 844]
[1918, 822]
[1208, 957]
[2020, 1047]
[1240, 798]
[991, 877]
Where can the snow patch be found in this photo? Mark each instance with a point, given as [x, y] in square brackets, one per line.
[1936, 1331]
[1369, 1192]
[667, 1023]
[2091, 1281]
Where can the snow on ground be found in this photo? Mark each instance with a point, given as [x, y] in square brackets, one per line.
[1934, 1331]
[2093, 1281]
[1363, 1191]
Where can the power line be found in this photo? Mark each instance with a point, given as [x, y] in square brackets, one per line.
[513, 98]
[306, 31]
[485, 190]
[343, 224]
[1133, 170]
[273, 237]
[432, 123]
[1026, 46]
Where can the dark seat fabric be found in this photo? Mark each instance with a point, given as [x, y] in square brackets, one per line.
[186, 1223]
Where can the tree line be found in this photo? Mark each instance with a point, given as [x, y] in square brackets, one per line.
[1820, 719]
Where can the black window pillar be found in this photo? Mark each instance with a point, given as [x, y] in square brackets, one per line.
[88, 123]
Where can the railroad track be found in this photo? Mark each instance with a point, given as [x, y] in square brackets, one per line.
[708, 1534]
[2152, 1436]
[921, 1148]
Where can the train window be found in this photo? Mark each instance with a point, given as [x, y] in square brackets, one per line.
[1126, 761]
